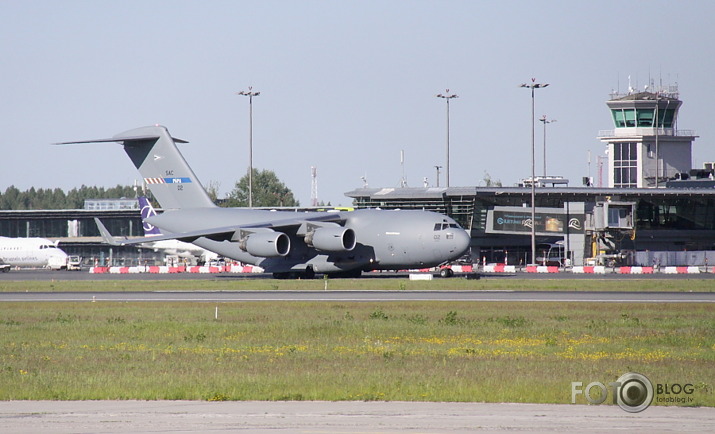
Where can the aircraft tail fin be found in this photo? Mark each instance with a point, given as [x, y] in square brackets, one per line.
[147, 210]
[169, 177]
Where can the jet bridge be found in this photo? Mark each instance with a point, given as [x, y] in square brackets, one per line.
[612, 227]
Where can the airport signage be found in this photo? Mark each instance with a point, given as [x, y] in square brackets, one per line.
[549, 221]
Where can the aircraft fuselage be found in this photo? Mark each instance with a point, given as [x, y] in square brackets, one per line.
[385, 240]
[31, 252]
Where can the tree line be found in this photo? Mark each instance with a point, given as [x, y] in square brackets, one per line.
[56, 198]
[268, 191]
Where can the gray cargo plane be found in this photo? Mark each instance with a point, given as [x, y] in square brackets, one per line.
[285, 244]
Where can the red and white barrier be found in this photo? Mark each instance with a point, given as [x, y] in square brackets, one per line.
[493, 268]
[454, 268]
[598, 269]
[681, 270]
[541, 269]
[499, 268]
[244, 269]
[462, 268]
[635, 270]
[169, 270]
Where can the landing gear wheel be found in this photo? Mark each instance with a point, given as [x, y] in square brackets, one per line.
[446, 272]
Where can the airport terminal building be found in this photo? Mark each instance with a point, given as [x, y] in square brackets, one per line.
[78, 234]
[626, 226]
[655, 210]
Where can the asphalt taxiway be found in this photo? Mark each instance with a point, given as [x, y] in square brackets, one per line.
[362, 296]
[341, 417]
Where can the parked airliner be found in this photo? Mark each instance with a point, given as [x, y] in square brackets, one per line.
[30, 252]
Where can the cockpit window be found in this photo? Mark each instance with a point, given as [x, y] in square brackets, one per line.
[443, 226]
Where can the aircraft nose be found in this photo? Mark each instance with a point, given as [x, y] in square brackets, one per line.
[461, 241]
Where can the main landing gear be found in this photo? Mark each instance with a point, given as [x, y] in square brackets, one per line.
[309, 273]
[446, 272]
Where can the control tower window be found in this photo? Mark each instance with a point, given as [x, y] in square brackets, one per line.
[618, 118]
[645, 117]
[665, 118]
[630, 115]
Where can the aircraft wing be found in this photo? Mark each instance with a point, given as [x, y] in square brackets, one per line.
[217, 234]
[226, 233]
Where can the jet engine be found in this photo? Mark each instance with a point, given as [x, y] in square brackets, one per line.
[331, 238]
[265, 243]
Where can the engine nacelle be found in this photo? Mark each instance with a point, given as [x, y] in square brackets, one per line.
[331, 239]
[267, 244]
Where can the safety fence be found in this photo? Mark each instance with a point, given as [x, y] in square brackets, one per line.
[598, 269]
[183, 269]
[487, 269]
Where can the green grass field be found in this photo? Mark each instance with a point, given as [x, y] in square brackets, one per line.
[419, 351]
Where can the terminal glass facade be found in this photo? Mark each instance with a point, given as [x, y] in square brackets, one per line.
[68, 224]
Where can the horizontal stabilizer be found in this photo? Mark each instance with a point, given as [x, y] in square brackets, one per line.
[120, 138]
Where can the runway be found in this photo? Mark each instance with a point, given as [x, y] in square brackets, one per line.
[362, 296]
[341, 417]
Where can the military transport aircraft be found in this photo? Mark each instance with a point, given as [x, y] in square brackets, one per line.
[285, 244]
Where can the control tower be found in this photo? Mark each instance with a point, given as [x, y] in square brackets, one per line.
[646, 148]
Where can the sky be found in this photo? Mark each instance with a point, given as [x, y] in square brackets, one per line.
[346, 86]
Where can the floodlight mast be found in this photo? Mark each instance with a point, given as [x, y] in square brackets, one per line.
[250, 94]
[532, 86]
[545, 121]
[447, 96]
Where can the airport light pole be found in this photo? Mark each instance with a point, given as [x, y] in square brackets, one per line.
[532, 86]
[437, 167]
[545, 121]
[447, 96]
[250, 94]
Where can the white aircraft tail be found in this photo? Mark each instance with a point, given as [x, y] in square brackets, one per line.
[169, 177]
